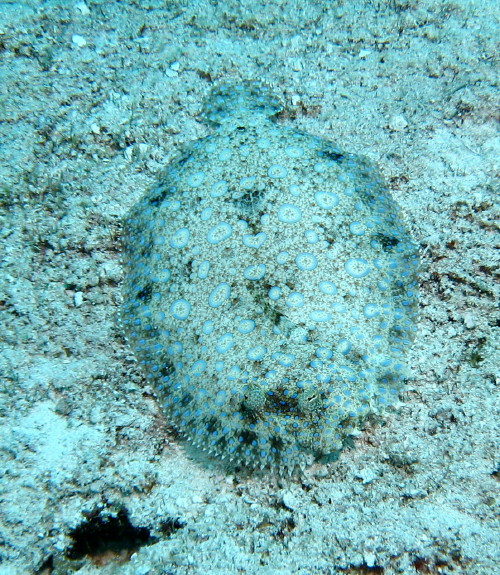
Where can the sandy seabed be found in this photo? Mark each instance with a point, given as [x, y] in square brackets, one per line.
[95, 99]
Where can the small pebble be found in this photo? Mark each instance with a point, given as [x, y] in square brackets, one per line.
[469, 320]
[78, 298]
[83, 8]
[78, 40]
[289, 500]
[398, 123]
[63, 406]
[369, 559]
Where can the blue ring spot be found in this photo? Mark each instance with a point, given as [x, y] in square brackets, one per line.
[180, 309]
[173, 205]
[247, 183]
[282, 258]
[324, 353]
[319, 315]
[274, 293]
[263, 143]
[203, 269]
[254, 241]
[218, 189]
[220, 399]
[198, 367]
[165, 275]
[284, 359]
[327, 288]
[277, 171]
[180, 238]
[294, 151]
[370, 310]
[233, 373]
[206, 214]
[219, 295]
[326, 200]
[222, 231]
[246, 326]
[224, 343]
[255, 272]
[208, 327]
[344, 346]
[289, 214]
[357, 267]
[357, 228]
[295, 299]
[256, 353]
[245, 150]
[311, 236]
[195, 180]
[306, 262]
[225, 154]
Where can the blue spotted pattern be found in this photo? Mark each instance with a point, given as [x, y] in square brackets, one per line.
[270, 288]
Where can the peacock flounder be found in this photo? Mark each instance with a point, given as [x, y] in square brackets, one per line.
[270, 290]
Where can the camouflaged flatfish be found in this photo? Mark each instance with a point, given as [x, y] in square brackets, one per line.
[270, 291]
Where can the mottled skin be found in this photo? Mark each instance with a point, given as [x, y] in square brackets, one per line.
[270, 290]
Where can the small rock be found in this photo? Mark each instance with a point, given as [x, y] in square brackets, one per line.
[366, 475]
[398, 123]
[83, 8]
[63, 406]
[289, 500]
[369, 559]
[110, 272]
[78, 40]
[142, 151]
[128, 153]
[469, 320]
[78, 298]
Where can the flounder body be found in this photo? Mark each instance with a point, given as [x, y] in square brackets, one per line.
[270, 291]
